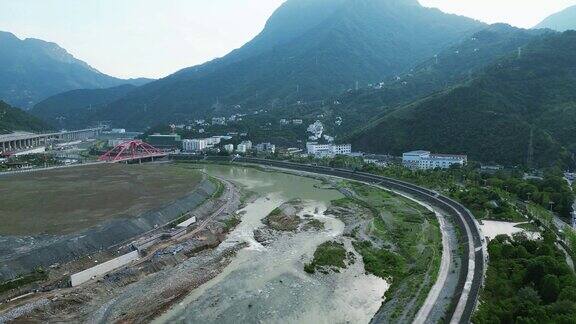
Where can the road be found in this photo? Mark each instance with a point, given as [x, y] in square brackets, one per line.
[472, 260]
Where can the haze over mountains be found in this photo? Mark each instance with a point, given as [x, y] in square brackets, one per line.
[307, 51]
[32, 70]
[449, 83]
[561, 21]
[527, 97]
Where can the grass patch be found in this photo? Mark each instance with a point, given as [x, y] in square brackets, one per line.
[38, 275]
[278, 220]
[381, 262]
[328, 255]
[314, 224]
[231, 223]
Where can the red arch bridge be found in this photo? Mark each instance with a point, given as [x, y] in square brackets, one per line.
[132, 151]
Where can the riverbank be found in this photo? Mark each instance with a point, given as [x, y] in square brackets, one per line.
[183, 258]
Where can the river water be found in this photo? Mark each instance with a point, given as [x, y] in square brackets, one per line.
[268, 284]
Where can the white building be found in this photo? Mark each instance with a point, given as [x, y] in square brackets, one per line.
[118, 131]
[266, 147]
[248, 145]
[194, 145]
[214, 140]
[424, 160]
[241, 148]
[328, 150]
[229, 148]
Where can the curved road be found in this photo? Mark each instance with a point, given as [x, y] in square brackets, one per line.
[472, 259]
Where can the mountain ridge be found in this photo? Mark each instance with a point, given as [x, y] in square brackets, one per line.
[33, 69]
[560, 21]
[493, 116]
[355, 41]
[14, 119]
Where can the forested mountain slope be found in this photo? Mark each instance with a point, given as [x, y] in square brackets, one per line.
[527, 99]
[32, 70]
[309, 50]
[13, 119]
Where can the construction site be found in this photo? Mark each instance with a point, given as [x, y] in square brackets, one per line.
[70, 228]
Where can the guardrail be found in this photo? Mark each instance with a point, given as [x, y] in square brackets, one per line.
[472, 260]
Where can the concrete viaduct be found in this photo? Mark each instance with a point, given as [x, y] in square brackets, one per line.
[24, 141]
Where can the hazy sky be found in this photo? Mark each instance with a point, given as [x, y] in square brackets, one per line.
[153, 38]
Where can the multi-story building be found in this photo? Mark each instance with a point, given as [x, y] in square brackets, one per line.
[328, 150]
[248, 145]
[424, 160]
[229, 148]
[266, 147]
[241, 148]
[194, 145]
[171, 141]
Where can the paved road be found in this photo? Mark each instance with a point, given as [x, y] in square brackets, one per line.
[426, 309]
[473, 258]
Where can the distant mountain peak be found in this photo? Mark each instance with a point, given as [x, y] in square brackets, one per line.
[32, 70]
[560, 21]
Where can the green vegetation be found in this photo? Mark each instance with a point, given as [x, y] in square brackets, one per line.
[382, 262]
[527, 282]
[493, 116]
[404, 246]
[328, 255]
[14, 119]
[492, 196]
[231, 223]
[38, 275]
[292, 61]
[283, 218]
[314, 224]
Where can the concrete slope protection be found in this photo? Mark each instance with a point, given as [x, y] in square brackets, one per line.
[472, 260]
[102, 237]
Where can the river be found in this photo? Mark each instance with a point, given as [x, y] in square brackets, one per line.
[267, 284]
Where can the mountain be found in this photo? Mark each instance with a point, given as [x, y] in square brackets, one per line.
[527, 99]
[70, 109]
[308, 50]
[32, 70]
[452, 66]
[561, 21]
[13, 119]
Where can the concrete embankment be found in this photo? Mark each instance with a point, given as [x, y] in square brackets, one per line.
[45, 252]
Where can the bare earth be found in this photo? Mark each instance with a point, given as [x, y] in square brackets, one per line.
[67, 200]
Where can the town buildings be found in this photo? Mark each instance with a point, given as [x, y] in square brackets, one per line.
[229, 148]
[328, 150]
[194, 145]
[167, 142]
[424, 160]
[244, 147]
[266, 148]
[201, 144]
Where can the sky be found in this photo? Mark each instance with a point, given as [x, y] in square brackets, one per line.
[154, 38]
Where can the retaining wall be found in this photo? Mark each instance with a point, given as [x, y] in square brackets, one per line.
[102, 237]
[86, 275]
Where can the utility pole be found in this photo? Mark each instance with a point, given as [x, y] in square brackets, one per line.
[519, 52]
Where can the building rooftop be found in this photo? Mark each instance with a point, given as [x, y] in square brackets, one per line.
[418, 152]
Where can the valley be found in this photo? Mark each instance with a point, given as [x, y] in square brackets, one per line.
[288, 161]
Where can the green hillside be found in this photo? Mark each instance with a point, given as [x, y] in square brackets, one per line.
[309, 50]
[14, 119]
[492, 116]
[32, 70]
[72, 108]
